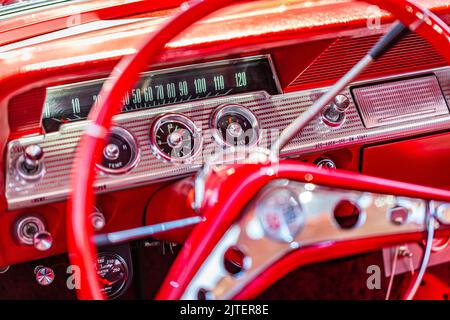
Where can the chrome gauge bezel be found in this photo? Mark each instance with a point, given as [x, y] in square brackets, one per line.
[135, 152]
[225, 109]
[189, 124]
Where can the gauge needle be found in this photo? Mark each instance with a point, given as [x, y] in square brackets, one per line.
[106, 282]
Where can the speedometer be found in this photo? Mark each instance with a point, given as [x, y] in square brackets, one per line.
[72, 102]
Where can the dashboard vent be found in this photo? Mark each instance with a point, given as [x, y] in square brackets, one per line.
[412, 53]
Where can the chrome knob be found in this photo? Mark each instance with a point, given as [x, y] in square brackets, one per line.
[30, 164]
[98, 220]
[326, 163]
[33, 155]
[334, 114]
[341, 102]
[42, 240]
[175, 139]
[44, 275]
[399, 215]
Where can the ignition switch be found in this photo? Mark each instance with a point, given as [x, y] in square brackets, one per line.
[30, 230]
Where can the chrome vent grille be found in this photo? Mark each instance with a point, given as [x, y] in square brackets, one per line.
[398, 101]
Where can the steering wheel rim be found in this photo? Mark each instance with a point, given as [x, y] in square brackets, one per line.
[79, 232]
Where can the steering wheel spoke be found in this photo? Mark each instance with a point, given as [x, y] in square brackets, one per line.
[286, 216]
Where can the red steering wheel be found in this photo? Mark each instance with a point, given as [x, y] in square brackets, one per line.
[79, 231]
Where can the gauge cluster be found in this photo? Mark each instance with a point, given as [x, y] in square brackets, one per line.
[173, 141]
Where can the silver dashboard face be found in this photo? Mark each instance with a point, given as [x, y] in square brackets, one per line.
[274, 113]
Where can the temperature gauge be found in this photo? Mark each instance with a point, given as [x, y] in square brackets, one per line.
[120, 153]
[113, 274]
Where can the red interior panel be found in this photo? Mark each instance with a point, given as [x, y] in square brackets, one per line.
[410, 160]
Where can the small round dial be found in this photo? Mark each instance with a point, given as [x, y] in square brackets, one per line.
[235, 125]
[113, 274]
[120, 152]
[175, 137]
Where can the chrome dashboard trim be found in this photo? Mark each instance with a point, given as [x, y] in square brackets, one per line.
[274, 113]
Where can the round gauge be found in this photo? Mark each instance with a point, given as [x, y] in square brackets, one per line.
[235, 125]
[113, 274]
[120, 153]
[280, 214]
[175, 138]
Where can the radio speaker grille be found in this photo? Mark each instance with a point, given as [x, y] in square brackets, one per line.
[398, 101]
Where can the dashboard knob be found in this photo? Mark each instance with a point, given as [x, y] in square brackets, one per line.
[399, 215]
[33, 154]
[97, 219]
[341, 102]
[44, 275]
[334, 114]
[30, 165]
[30, 230]
[325, 163]
[42, 240]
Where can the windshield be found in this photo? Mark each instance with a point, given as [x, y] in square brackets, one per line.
[10, 7]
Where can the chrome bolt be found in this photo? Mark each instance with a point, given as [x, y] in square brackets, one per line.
[403, 251]
[399, 215]
[326, 164]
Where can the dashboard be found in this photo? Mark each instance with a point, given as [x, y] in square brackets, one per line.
[210, 91]
[154, 143]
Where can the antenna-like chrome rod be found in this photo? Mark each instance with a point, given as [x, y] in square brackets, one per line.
[143, 232]
[395, 34]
